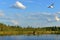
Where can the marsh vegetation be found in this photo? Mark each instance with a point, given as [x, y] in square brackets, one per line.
[18, 30]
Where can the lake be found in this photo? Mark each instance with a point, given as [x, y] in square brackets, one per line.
[31, 37]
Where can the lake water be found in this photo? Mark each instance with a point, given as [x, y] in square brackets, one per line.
[31, 37]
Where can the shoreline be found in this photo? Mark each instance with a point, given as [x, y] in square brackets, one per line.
[18, 30]
[27, 33]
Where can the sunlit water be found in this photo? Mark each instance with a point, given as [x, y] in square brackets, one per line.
[31, 37]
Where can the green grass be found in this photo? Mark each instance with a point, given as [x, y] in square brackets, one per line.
[18, 30]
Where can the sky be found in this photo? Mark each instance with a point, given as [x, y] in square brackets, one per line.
[30, 12]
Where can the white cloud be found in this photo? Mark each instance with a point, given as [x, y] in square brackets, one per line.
[39, 16]
[49, 20]
[46, 13]
[1, 13]
[45, 16]
[57, 18]
[18, 5]
[3, 16]
[58, 13]
[15, 22]
[32, 18]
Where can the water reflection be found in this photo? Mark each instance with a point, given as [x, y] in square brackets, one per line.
[31, 37]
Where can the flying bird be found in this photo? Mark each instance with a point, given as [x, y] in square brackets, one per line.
[18, 5]
[51, 6]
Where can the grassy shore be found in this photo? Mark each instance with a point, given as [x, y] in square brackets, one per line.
[18, 30]
[27, 32]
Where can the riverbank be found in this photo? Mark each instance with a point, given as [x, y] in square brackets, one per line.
[18, 30]
[27, 32]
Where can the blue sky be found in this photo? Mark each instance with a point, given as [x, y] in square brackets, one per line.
[36, 13]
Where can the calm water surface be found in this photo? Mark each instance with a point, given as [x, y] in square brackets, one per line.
[32, 37]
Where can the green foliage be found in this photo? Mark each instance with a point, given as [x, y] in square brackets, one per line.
[27, 30]
[4, 27]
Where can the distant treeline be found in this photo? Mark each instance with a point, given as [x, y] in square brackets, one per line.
[4, 27]
[7, 29]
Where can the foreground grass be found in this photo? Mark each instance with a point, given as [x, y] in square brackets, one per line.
[27, 32]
